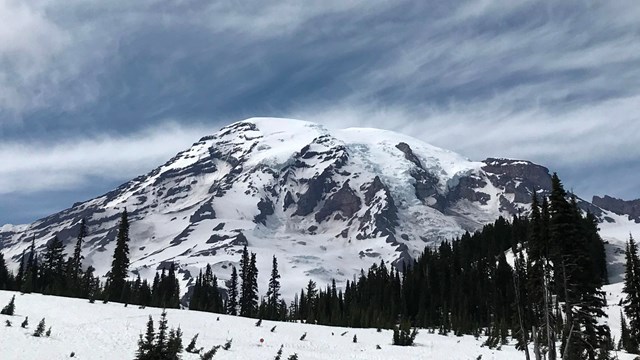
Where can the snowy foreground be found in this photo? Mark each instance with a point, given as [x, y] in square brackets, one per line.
[110, 331]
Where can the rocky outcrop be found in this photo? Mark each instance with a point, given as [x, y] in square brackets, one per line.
[518, 177]
[382, 211]
[630, 208]
[344, 200]
[265, 207]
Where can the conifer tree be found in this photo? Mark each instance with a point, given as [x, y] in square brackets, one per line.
[631, 301]
[29, 281]
[76, 260]
[40, 329]
[310, 301]
[120, 263]
[273, 292]
[249, 287]
[10, 308]
[53, 267]
[191, 347]
[232, 304]
[6, 281]
[145, 344]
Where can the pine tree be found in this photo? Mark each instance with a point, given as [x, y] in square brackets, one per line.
[6, 281]
[76, 260]
[53, 267]
[10, 308]
[191, 348]
[249, 287]
[273, 292]
[631, 301]
[310, 301]
[279, 353]
[210, 354]
[145, 344]
[120, 263]
[232, 304]
[29, 278]
[25, 323]
[40, 329]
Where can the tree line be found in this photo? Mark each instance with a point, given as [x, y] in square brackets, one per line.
[48, 272]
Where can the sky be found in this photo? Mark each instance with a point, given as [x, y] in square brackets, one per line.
[94, 93]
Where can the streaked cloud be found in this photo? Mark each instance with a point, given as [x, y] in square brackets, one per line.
[557, 82]
[76, 162]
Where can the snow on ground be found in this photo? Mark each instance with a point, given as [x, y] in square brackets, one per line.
[110, 331]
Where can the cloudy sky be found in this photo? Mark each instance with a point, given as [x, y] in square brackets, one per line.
[93, 93]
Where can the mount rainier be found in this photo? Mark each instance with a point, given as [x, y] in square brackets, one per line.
[326, 203]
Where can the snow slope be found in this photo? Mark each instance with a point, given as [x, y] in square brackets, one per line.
[110, 331]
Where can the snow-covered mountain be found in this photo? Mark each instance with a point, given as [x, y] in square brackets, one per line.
[326, 203]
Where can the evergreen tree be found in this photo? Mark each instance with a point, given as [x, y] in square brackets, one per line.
[631, 301]
[29, 278]
[166, 344]
[249, 288]
[76, 260]
[191, 348]
[6, 278]
[310, 301]
[232, 304]
[120, 263]
[145, 344]
[245, 283]
[53, 267]
[40, 329]
[273, 292]
[10, 308]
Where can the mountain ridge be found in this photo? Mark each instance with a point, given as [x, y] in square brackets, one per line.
[327, 203]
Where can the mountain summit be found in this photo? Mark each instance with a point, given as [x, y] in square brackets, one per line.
[326, 203]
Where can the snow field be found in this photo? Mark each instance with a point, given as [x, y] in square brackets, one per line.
[110, 331]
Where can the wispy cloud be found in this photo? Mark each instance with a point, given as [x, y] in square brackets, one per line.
[557, 82]
[74, 162]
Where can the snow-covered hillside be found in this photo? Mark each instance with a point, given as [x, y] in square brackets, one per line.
[110, 331]
[326, 203]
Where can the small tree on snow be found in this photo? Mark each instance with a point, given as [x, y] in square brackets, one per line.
[227, 345]
[355, 339]
[159, 345]
[10, 308]
[40, 329]
[279, 353]
[403, 335]
[8, 323]
[209, 354]
[25, 323]
[191, 348]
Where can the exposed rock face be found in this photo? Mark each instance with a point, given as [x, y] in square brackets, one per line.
[344, 200]
[619, 206]
[518, 177]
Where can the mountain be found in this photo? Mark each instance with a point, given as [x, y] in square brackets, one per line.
[630, 208]
[326, 203]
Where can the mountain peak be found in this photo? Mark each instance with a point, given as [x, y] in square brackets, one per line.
[326, 202]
